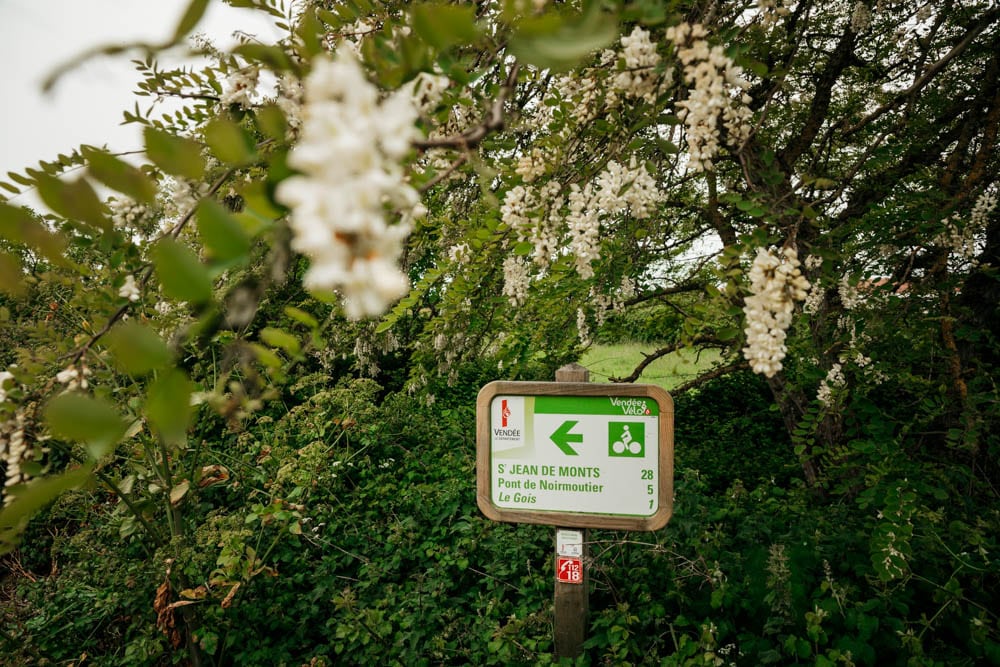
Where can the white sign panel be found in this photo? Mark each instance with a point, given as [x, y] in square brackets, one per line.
[589, 454]
[569, 543]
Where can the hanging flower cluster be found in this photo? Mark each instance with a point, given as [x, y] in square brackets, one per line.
[289, 100]
[349, 157]
[130, 289]
[583, 330]
[617, 189]
[850, 296]
[640, 78]
[15, 450]
[515, 280]
[74, 378]
[4, 377]
[428, 89]
[126, 213]
[861, 17]
[538, 215]
[834, 380]
[772, 10]
[241, 87]
[962, 240]
[716, 93]
[776, 283]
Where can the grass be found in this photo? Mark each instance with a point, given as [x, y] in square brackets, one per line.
[620, 359]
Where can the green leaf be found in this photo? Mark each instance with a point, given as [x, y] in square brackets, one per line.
[265, 355]
[190, 19]
[728, 333]
[311, 30]
[168, 406]
[17, 225]
[560, 45]
[138, 349]
[442, 25]
[272, 56]
[75, 200]
[28, 498]
[523, 248]
[91, 421]
[301, 317]
[119, 175]
[22, 180]
[177, 156]
[267, 7]
[182, 276]
[755, 66]
[11, 275]
[667, 147]
[229, 142]
[271, 122]
[222, 234]
[281, 339]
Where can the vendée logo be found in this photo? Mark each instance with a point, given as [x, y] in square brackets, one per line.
[506, 430]
[631, 406]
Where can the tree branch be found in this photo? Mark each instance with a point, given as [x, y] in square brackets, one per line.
[662, 352]
[666, 291]
[491, 122]
[842, 56]
[717, 372]
[147, 273]
[929, 74]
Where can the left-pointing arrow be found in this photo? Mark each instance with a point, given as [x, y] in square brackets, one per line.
[562, 437]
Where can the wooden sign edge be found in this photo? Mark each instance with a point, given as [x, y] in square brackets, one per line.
[574, 519]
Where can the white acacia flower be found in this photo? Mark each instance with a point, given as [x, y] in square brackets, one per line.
[350, 177]
[15, 449]
[581, 326]
[241, 87]
[428, 89]
[776, 283]
[584, 228]
[861, 17]
[531, 166]
[640, 78]
[129, 289]
[716, 98]
[4, 377]
[834, 380]
[289, 100]
[515, 280]
[125, 213]
[73, 377]
[850, 295]
[460, 254]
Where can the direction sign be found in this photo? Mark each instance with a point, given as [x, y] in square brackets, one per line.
[575, 454]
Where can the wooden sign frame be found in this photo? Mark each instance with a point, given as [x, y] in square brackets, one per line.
[570, 519]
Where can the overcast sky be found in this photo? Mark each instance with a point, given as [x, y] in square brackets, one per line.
[86, 105]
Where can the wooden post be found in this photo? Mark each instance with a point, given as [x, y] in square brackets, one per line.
[572, 600]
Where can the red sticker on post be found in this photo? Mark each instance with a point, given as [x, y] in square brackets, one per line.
[569, 570]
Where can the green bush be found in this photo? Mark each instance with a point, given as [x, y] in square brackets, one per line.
[729, 430]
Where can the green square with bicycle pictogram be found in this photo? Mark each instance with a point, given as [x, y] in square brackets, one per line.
[627, 439]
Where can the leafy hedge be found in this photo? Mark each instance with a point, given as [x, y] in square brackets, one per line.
[348, 533]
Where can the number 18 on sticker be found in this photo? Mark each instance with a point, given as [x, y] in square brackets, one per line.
[569, 570]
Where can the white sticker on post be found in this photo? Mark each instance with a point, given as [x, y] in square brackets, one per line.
[569, 543]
